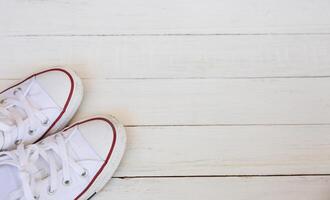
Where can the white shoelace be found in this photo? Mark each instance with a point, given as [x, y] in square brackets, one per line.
[10, 119]
[24, 160]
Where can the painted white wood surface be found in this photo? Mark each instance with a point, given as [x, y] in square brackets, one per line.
[196, 149]
[82, 17]
[265, 188]
[231, 150]
[226, 150]
[205, 88]
[170, 56]
[209, 101]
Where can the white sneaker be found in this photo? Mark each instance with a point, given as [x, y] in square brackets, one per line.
[41, 104]
[73, 164]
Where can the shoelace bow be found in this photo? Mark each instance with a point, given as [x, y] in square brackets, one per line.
[24, 160]
[33, 114]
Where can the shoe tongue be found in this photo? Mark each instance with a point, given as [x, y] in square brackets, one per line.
[16, 111]
[11, 132]
[4, 120]
[42, 167]
[77, 148]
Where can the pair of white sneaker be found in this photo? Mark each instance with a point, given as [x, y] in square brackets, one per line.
[74, 163]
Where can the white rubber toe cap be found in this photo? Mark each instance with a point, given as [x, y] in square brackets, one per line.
[58, 84]
[100, 134]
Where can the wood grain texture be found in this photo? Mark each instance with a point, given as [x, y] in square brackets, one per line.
[228, 150]
[209, 101]
[81, 17]
[222, 99]
[266, 188]
[170, 56]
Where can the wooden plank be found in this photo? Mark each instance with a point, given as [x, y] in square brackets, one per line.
[209, 101]
[217, 150]
[265, 188]
[163, 17]
[228, 150]
[204, 101]
[170, 56]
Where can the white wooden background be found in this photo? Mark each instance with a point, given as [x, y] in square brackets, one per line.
[222, 99]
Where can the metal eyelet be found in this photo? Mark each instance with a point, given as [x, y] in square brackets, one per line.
[32, 152]
[31, 132]
[18, 142]
[45, 122]
[84, 174]
[17, 90]
[50, 191]
[66, 182]
[3, 101]
[36, 197]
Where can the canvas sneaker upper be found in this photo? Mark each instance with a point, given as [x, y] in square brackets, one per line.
[71, 164]
[42, 103]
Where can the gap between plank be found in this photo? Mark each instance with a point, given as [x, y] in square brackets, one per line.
[198, 78]
[217, 77]
[222, 176]
[159, 34]
[214, 125]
